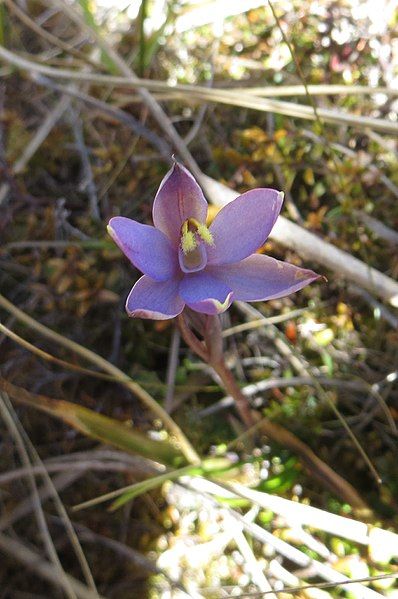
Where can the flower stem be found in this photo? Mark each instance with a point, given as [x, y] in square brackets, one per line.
[211, 352]
[191, 340]
[232, 387]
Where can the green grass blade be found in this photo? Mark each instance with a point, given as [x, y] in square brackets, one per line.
[99, 427]
[209, 466]
[2, 24]
[116, 433]
[149, 484]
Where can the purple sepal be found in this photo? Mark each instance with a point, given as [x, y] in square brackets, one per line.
[146, 247]
[179, 197]
[243, 225]
[154, 299]
[261, 277]
[205, 293]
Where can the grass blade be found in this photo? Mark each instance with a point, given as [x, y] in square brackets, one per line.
[97, 426]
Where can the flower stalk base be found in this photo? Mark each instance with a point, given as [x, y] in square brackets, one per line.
[210, 351]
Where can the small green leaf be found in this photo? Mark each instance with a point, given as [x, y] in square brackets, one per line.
[103, 428]
[328, 361]
[149, 484]
[116, 433]
[281, 482]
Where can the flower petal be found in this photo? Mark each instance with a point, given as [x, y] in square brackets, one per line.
[243, 225]
[146, 247]
[194, 261]
[179, 197]
[154, 299]
[205, 293]
[261, 277]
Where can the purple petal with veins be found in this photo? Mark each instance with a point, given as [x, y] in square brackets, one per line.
[179, 198]
[243, 225]
[154, 299]
[204, 293]
[261, 277]
[184, 263]
[146, 247]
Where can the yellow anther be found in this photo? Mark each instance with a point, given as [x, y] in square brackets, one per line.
[191, 228]
[188, 241]
[205, 234]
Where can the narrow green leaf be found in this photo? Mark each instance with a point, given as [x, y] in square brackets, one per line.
[328, 361]
[88, 13]
[100, 427]
[3, 28]
[116, 433]
[122, 496]
[208, 466]
[283, 481]
[149, 484]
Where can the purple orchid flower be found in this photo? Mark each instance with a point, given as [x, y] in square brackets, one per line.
[185, 263]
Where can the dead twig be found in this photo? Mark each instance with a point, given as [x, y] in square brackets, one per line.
[117, 113]
[31, 560]
[311, 247]
[87, 183]
[41, 134]
[106, 366]
[35, 500]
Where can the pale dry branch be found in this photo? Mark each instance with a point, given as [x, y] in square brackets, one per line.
[315, 249]
[189, 92]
